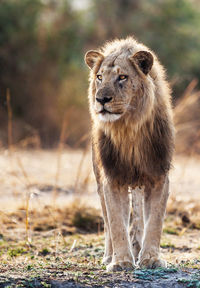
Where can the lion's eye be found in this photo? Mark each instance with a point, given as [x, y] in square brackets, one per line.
[99, 77]
[122, 77]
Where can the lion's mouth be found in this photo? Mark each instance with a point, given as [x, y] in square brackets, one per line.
[104, 111]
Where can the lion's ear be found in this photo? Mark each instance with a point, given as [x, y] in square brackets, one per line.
[144, 61]
[91, 58]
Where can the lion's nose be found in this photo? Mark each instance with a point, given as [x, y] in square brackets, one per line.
[103, 100]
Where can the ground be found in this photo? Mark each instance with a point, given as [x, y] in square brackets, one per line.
[52, 231]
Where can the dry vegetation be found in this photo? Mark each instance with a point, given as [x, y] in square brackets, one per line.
[49, 244]
[51, 225]
[187, 121]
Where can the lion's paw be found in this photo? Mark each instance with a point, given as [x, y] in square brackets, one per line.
[120, 266]
[107, 260]
[152, 263]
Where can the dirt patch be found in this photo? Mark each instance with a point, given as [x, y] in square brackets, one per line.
[98, 278]
[52, 260]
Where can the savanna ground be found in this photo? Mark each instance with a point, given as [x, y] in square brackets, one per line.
[52, 231]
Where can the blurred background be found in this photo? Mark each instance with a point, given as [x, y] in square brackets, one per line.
[42, 47]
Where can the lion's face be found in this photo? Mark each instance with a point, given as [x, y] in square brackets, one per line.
[117, 83]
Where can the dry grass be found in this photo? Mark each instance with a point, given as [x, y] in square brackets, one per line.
[187, 121]
[39, 179]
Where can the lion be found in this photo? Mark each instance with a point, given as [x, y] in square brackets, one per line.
[132, 148]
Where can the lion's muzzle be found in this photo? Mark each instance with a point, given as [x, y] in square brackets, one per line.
[103, 100]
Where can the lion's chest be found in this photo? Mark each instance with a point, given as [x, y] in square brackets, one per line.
[116, 165]
[132, 163]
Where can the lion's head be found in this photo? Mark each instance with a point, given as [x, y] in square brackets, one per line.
[120, 83]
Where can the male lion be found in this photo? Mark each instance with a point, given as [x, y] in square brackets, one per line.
[132, 140]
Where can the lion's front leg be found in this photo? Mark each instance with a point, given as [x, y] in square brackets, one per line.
[108, 251]
[118, 211]
[137, 225]
[107, 258]
[155, 200]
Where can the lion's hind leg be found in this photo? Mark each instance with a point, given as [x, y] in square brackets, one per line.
[137, 225]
